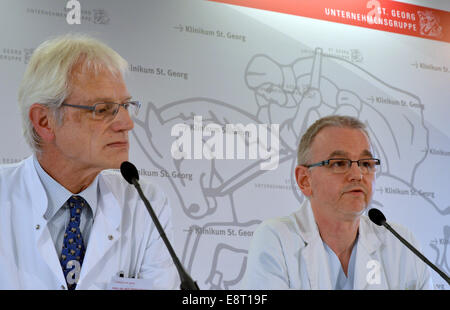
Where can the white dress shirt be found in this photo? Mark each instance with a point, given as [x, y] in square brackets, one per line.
[58, 213]
[339, 280]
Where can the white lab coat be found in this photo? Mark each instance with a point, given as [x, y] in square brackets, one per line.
[288, 253]
[123, 237]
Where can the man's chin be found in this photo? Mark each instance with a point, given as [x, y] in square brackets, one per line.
[115, 164]
[356, 208]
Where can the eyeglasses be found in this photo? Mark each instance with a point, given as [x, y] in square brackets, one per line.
[107, 110]
[343, 165]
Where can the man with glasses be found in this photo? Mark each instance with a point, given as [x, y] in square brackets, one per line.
[328, 243]
[66, 221]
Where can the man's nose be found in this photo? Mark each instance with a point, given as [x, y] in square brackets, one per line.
[355, 173]
[122, 121]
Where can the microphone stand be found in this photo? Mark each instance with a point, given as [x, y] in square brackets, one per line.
[186, 281]
[442, 274]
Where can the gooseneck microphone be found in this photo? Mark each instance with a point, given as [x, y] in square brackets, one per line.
[378, 218]
[130, 173]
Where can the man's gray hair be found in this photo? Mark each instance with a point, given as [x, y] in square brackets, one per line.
[47, 78]
[304, 148]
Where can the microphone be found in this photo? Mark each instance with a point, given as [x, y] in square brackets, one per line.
[378, 218]
[130, 173]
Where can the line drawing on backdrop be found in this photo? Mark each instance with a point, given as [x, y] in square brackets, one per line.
[293, 96]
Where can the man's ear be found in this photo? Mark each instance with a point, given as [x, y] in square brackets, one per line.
[43, 123]
[303, 178]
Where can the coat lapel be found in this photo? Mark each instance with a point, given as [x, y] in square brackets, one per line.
[39, 204]
[314, 254]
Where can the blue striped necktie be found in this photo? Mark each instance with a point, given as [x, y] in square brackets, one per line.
[73, 250]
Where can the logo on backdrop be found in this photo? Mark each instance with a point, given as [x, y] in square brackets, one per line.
[429, 24]
[73, 14]
[100, 17]
[16, 54]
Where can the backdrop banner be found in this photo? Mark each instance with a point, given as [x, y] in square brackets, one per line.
[385, 15]
[228, 90]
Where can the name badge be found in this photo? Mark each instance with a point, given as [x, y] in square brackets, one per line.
[121, 283]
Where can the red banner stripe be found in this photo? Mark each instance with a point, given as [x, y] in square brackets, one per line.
[384, 15]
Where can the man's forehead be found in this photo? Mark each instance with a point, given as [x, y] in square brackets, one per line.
[341, 142]
[101, 94]
[85, 75]
[345, 154]
[102, 86]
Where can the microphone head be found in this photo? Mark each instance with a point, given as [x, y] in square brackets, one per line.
[129, 172]
[377, 216]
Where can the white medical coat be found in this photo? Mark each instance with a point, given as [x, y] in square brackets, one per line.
[288, 253]
[123, 237]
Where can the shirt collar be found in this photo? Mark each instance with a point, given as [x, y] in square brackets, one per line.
[58, 195]
[338, 278]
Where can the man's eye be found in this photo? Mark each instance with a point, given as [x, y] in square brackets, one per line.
[368, 164]
[339, 163]
[103, 108]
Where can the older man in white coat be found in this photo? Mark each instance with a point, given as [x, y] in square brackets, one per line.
[66, 222]
[328, 243]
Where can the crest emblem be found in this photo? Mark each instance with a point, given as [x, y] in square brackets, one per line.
[429, 24]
